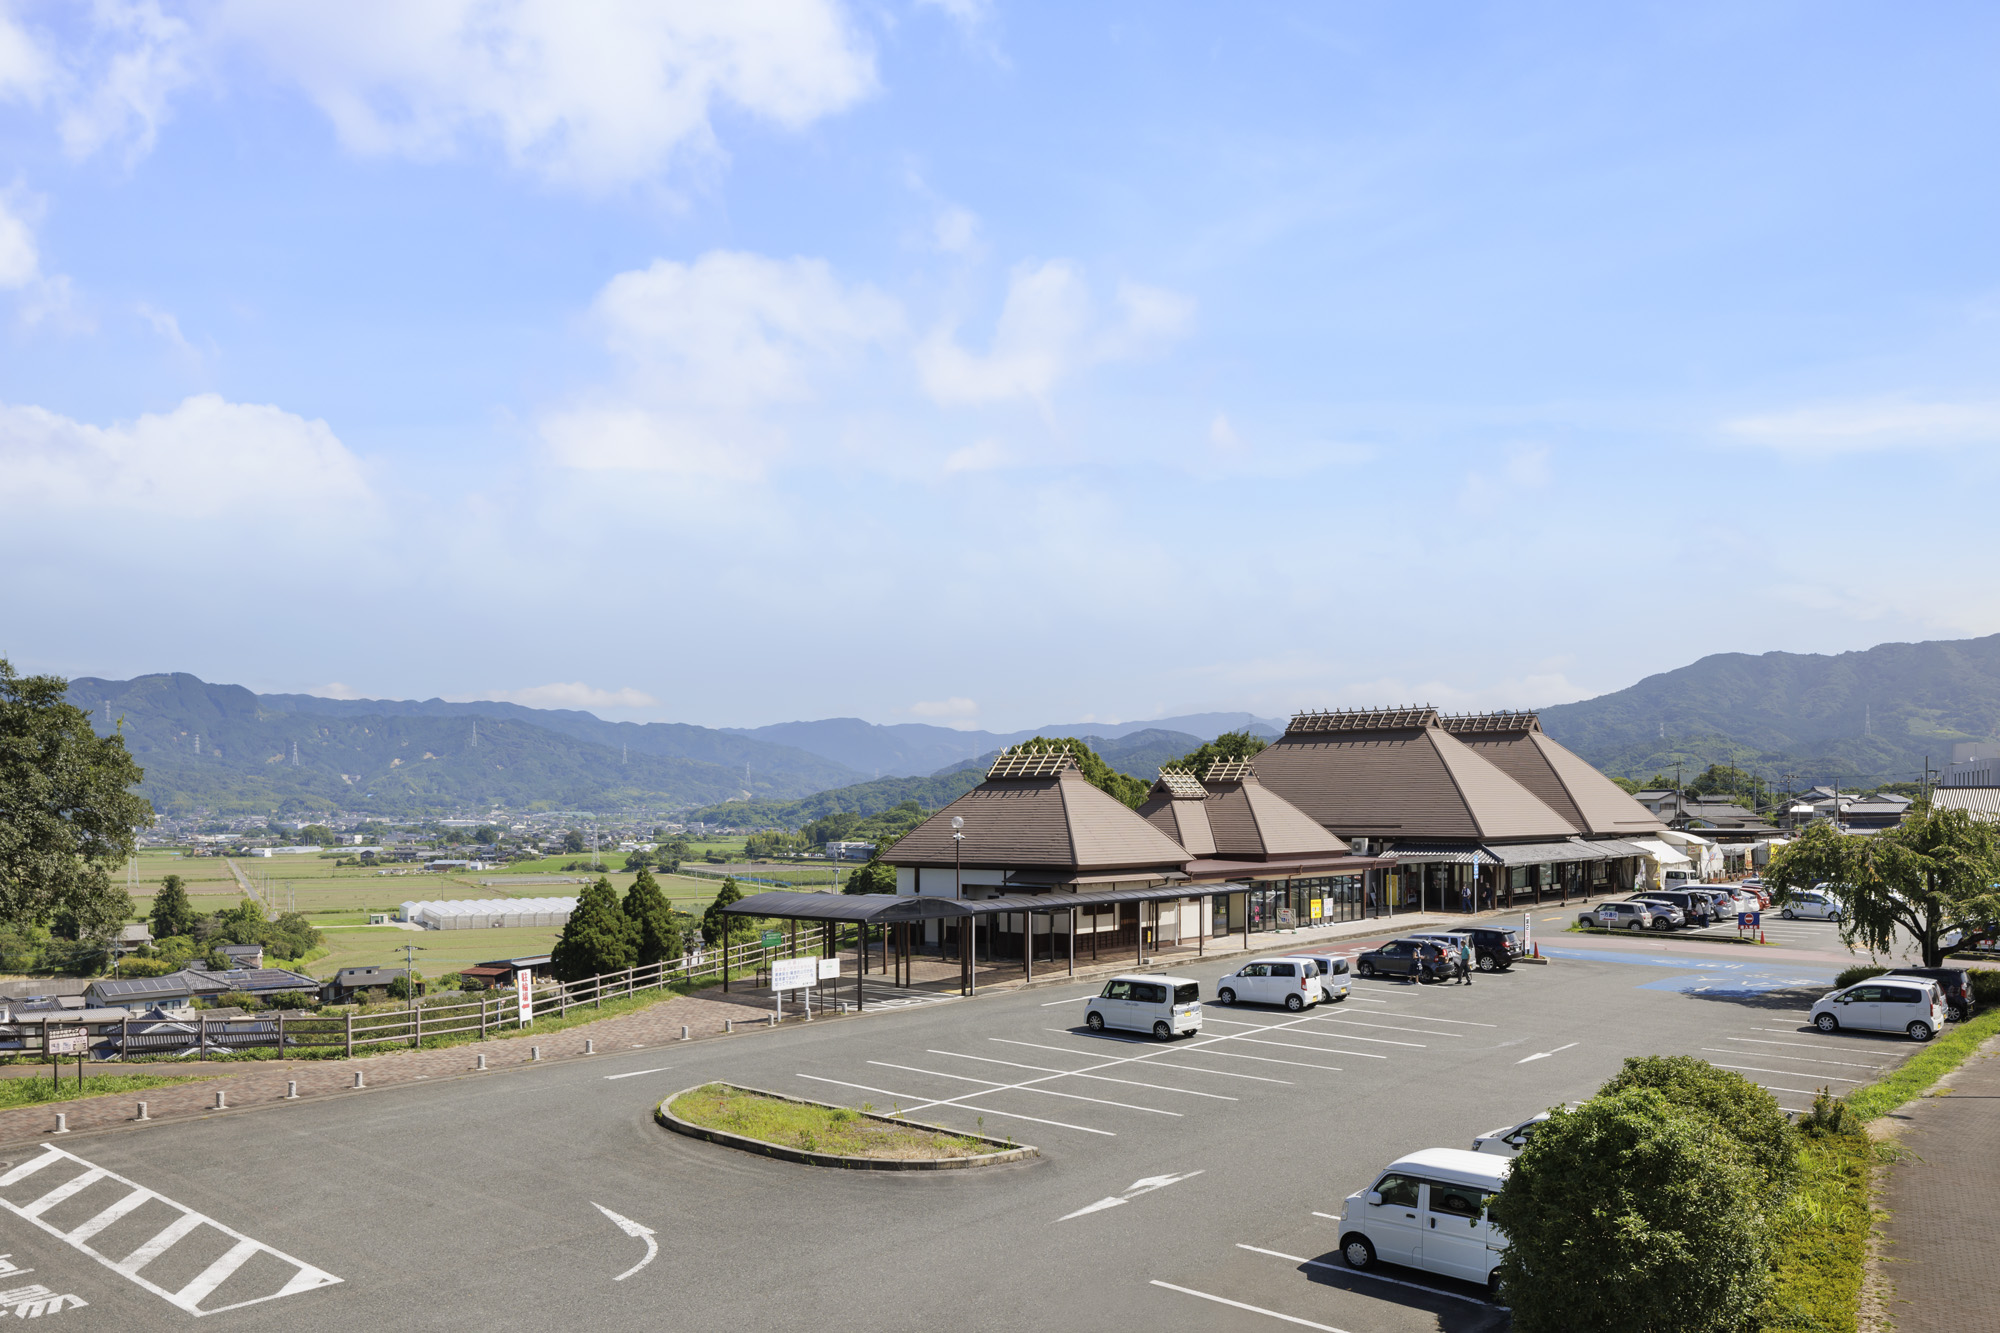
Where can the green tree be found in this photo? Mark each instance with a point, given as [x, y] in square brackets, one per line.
[173, 914]
[572, 840]
[1632, 1215]
[1766, 1142]
[1121, 786]
[68, 817]
[598, 938]
[717, 928]
[652, 918]
[1229, 745]
[1935, 871]
[875, 877]
[638, 860]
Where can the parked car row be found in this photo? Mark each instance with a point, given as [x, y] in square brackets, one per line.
[1670, 909]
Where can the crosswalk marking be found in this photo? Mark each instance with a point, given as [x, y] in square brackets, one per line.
[188, 1297]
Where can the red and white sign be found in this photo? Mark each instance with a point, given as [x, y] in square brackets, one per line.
[524, 987]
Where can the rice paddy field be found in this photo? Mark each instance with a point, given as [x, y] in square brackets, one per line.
[339, 899]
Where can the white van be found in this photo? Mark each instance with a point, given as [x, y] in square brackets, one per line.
[1335, 979]
[1428, 1211]
[1155, 1004]
[1812, 905]
[1912, 1005]
[1292, 982]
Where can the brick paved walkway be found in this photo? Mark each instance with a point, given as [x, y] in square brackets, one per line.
[1938, 1244]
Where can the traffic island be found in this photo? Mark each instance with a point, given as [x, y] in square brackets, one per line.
[820, 1134]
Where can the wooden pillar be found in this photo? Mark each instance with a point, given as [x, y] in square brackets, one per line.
[861, 972]
[1246, 917]
[1139, 933]
[1027, 946]
[1072, 941]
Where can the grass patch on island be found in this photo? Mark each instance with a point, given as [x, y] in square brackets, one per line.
[811, 1127]
[29, 1090]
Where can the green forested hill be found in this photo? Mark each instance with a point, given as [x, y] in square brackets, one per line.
[862, 798]
[361, 761]
[1860, 717]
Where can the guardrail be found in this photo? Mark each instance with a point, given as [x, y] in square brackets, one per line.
[489, 1015]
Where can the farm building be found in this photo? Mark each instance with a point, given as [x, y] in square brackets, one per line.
[486, 913]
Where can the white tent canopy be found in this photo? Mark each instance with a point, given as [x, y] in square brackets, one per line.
[488, 913]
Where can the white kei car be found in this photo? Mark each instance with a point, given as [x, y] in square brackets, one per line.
[1813, 905]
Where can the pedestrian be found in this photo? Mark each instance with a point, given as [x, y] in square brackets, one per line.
[1426, 971]
[1464, 961]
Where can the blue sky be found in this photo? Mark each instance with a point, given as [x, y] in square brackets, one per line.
[989, 364]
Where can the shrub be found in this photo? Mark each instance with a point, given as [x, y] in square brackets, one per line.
[1985, 985]
[1632, 1215]
[145, 967]
[1858, 973]
[1829, 1117]
[1750, 1117]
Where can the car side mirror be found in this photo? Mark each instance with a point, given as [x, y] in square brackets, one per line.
[1374, 1199]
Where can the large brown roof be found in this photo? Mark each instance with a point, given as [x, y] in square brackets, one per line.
[1413, 780]
[1060, 821]
[1252, 821]
[1178, 807]
[1516, 744]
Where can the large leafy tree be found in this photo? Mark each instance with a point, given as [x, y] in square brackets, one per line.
[875, 877]
[598, 937]
[173, 914]
[655, 927]
[718, 928]
[1123, 786]
[68, 816]
[1633, 1214]
[1229, 745]
[1762, 1135]
[1935, 871]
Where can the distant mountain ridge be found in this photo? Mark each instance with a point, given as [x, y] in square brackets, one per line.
[912, 749]
[1863, 717]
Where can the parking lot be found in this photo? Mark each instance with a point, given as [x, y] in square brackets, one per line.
[1193, 1183]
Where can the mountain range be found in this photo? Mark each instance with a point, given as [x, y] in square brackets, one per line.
[909, 749]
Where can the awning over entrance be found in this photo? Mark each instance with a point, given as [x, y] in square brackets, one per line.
[1540, 853]
[1463, 855]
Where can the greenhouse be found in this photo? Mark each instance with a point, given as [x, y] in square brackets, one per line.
[489, 913]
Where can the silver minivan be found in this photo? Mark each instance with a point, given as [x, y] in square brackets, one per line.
[1335, 978]
[1155, 1004]
[1428, 1211]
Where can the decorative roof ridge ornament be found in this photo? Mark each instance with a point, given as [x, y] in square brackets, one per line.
[1021, 761]
[1228, 770]
[1362, 719]
[1180, 783]
[1466, 724]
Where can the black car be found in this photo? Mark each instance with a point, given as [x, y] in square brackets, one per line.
[1404, 958]
[1700, 908]
[1955, 982]
[1494, 948]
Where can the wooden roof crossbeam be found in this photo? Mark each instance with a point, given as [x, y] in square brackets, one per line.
[1022, 762]
[1228, 770]
[1466, 724]
[1362, 719]
[1178, 782]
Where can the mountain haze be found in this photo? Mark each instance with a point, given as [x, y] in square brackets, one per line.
[910, 749]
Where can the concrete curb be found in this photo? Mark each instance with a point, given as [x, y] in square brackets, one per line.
[1018, 1153]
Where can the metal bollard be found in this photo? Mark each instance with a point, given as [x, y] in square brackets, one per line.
[482, 1061]
[729, 1026]
[291, 1091]
[221, 1100]
[589, 1046]
[62, 1123]
[358, 1081]
[770, 1020]
[843, 1006]
[684, 1032]
[142, 1113]
[534, 1052]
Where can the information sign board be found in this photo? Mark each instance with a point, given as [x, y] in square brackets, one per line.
[829, 969]
[772, 939]
[524, 990]
[68, 1041]
[794, 973]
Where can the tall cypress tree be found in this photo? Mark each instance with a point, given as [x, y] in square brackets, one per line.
[173, 914]
[715, 927]
[599, 938]
[657, 933]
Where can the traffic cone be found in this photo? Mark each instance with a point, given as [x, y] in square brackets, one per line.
[1760, 935]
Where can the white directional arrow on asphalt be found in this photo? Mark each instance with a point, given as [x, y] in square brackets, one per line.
[1543, 1055]
[1144, 1186]
[633, 1229]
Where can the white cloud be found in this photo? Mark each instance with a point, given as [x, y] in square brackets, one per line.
[946, 709]
[1860, 427]
[983, 456]
[600, 93]
[117, 89]
[569, 694]
[20, 262]
[1223, 435]
[206, 457]
[968, 12]
[25, 70]
[956, 230]
[1048, 329]
[1526, 468]
[705, 347]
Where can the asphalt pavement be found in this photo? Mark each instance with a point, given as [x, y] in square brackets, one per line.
[1184, 1184]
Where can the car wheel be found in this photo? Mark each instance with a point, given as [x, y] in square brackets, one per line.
[1359, 1252]
[1833, 917]
[1486, 963]
[1163, 1031]
[1095, 1021]
[1920, 1031]
[1226, 996]
[1789, 914]
[1493, 1285]
[1295, 1002]
[1586, 921]
[1365, 969]
[1663, 924]
[1636, 926]
[1958, 1013]
[1827, 1023]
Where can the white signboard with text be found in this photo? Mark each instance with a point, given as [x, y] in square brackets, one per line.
[794, 973]
[829, 969]
[524, 988]
[68, 1041]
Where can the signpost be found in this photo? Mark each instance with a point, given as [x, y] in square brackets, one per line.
[524, 990]
[65, 1041]
[772, 939]
[793, 974]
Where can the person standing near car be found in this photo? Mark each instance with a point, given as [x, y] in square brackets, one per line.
[1464, 961]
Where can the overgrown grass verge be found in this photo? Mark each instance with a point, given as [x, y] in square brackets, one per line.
[810, 1127]
[1942, 1055]
[28, 1091]
[1820, 1240]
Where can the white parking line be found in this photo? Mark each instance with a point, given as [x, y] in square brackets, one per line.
[635, 1073]
[1802, 1045]
[1159, 1064]
[1100, 1078]
[1208, 1047]
[1801, 1059]
[1803, 1092]
[1753, 1069]
[985, 1110]
[1071, 1000]
[1267, 1027]
[992, 1086]
[1429, 1018]
[1253, 1309]
[1359, 1272]
[1384, 1027]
